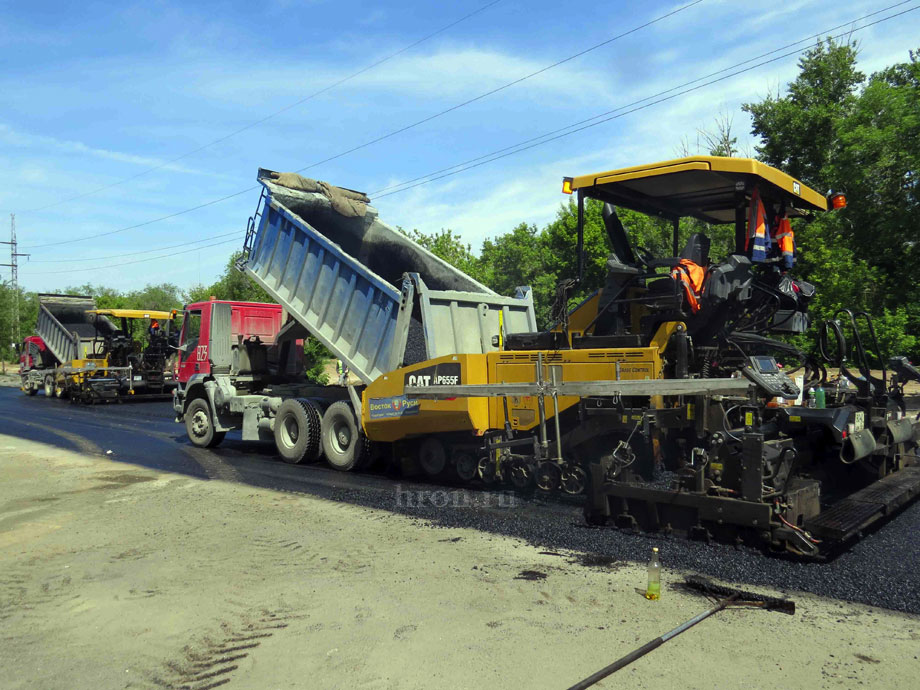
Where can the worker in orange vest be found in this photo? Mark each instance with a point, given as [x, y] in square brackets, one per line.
[692, 276]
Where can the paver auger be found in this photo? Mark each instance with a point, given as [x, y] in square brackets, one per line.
[672, 408]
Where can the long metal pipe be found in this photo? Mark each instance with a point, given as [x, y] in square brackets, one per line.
[541, 404]
[552, 374]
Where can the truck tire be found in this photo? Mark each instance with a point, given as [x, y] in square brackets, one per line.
[49, 386]
[346, 448]
[199, 426]
[29, 387]
[297, 431]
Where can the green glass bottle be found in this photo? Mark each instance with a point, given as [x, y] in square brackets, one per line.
[653, 591]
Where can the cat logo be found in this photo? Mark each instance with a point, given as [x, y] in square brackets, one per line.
[444, 374]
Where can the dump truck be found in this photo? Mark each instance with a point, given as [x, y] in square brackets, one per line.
[665, 397]
[91, 355]
[397, 304]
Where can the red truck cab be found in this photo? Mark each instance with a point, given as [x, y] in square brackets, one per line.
[31, 353]
[247, 319]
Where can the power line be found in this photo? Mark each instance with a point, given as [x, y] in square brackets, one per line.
[401, 129]
[145, 251]
[586, 124]
[499, 88]
[270, 116]
[145, 223]
[137, 261]
[465, 165]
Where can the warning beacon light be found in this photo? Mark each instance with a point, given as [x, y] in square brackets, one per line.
[837, 199]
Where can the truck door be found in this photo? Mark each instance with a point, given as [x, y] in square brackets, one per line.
[193, 345]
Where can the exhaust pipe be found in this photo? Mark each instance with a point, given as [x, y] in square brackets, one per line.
[857, 446]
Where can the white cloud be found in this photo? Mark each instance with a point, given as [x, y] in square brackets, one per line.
[47, 144]
[493, 200]
[450, 73]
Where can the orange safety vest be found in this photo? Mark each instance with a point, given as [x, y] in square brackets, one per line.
[692, 276]
[785, 240]
[757, 228]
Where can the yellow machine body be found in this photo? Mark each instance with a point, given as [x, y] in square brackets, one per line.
[389, 415]
[136, 314]
[64, 378]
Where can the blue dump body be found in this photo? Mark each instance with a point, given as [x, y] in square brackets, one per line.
[364, 319]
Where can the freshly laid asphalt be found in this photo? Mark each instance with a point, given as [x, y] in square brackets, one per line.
[881, 570]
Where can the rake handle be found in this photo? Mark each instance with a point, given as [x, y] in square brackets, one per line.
[649, 646]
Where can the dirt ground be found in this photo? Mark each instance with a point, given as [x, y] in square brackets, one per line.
[10, 378]
[113, 575]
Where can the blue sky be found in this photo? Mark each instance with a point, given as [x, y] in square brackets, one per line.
[92, 93]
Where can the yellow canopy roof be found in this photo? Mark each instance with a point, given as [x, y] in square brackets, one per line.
[135, 314]
[705, 187]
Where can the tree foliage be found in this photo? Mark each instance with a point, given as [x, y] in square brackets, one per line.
[836, 130]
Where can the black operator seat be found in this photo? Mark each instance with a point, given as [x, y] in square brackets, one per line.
[669, 285]
[622, 270]
[697, 249]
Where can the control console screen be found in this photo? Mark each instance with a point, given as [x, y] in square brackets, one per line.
[766, 365]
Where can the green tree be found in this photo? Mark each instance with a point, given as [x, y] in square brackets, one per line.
[799, 131]
[833, 134]
[450, 247]
[28, 311]
[517, 258]
[878, 166]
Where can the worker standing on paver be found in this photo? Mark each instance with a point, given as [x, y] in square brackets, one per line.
[342, 370]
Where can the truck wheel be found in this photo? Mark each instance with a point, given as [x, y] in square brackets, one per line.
[200, 427]
[49, 386]
[344, 445]
[297, 431]
[29, 387]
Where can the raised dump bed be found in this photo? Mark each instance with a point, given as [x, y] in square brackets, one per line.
[370, 294]
[66, 327]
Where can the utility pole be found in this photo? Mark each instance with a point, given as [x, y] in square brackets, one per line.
[14, 269]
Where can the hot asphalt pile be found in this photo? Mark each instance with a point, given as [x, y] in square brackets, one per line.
[882, 570]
